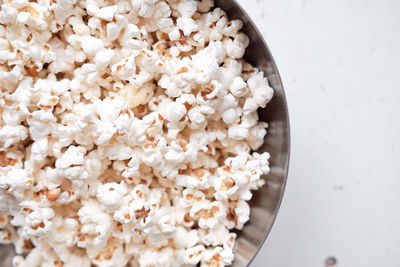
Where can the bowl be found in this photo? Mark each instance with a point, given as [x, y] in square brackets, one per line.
[266, 201]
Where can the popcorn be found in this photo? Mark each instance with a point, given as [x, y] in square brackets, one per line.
[185, 239]
[217, 257]
[187, 25]
[208, 214]
[238, 87]
[95, 222]
[215, 236]
[16, 180]
[39, 122]
[108, 12]
[205, 5]
[161, 15]
[91, 45]
[238, 132]
[242, 212]
[126, 132]
[113, 30]
[260, 89]
[194, 255]
[175, 112]
[145, 7]
[174, 34]
[12, 134]
[73, 156]
[38, 223]
[186, 8]
[110, 195]
[103, 58]
[236, 48]
[31, 15]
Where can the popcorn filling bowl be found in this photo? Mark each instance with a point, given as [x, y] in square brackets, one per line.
[266, 201]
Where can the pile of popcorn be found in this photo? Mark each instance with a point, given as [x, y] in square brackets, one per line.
[126, 132]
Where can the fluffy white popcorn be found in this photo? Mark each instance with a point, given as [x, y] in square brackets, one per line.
[126, 132]
[72, 156]
[238, 132]
[162, 17]
[184, 238]
[260, 90]
[235, 48]
[38, 223]
[103, 58]
[95, 222]
[205, 5]
[242, 212]
[110, 195]
[238, 87]
[16, 181]
[12, 134]
[91, 45]
[40, 123]
[193, 255]
[144, 7]
[175, 112]
[187, 25]
[107, 12]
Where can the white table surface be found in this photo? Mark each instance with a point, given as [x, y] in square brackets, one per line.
[340, 65]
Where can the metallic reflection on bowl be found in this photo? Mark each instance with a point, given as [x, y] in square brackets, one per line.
[266, 201]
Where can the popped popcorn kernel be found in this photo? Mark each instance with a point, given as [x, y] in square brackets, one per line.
[126, 132]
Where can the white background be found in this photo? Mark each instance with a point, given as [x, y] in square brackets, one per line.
[340, 65]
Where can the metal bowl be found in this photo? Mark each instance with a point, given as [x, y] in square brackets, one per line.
[266, 201]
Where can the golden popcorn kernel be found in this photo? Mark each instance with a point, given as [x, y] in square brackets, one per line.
[53, 194]
[182, 70]
[58, 263]
[187, 218]
[5, 161]
[29, 38]
[199, 173]
[150, 138]
[142, 213]
[139, 193]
